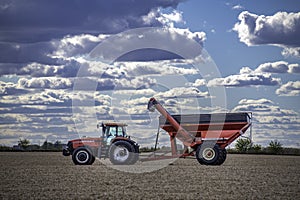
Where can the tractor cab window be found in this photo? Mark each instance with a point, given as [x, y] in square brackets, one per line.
[114, 131]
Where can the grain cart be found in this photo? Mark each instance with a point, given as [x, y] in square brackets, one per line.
[203, 135]
[114, 144]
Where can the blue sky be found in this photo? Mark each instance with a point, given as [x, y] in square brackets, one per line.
[254, 45]
[217, 19]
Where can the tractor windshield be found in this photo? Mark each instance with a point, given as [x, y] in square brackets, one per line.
[114, 131]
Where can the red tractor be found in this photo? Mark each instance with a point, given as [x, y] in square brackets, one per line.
[114, 144]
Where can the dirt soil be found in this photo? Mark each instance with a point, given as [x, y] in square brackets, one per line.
[40, 175]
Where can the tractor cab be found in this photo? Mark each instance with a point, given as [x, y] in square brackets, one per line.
[113, 130]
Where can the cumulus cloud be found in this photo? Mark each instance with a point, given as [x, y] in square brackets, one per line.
[246, 77]
[281, 29]
[237, 7]
[166, 67]
[151, 44]
[46, 54]
[104, 84]
[9, 88]
[291, 88]
[278, 67]
[49, 97]
[262, 108]
[50, 39]
[71, 46]
[47, 19]
[167, 19]
[121, 84]
[270, 121]
[63, 68]
[294, 68]
[50, 101]
[182, 92]
[198, 83]
[46, 82]
[27, 52]
[138, 92]
[63, 57]
[255, 101]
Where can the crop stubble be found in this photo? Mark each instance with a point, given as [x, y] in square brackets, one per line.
[51, 176]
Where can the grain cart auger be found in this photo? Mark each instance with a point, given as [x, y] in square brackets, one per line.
[203, 135]
[114, 144]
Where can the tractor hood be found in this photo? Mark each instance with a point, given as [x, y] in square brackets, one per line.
[88, 139]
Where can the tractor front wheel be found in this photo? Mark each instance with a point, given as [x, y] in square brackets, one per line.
[210, 154]
[82, 156]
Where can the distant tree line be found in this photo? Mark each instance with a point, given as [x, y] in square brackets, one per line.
[25, 145]
[274, 147]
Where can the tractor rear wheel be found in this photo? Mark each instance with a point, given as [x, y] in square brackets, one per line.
[122, 153]
[209, 154]
[83, 156]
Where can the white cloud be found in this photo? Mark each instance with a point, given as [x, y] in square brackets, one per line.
[182, 92]
[166, 19]
[255, 101]
[125, 83]
[8, 88]
[237, 7]
[271, 122]
[200, 37]
[67, 68]
[281, 29]
[291, 88]
[46, 82]
[71, 46]
[169, 19]
[165, 67]
[147, 92]
[198, 83]
[96, 17]
[291, 51]
[278, 67]
[294, 68]
[130, 70]
[245, 78]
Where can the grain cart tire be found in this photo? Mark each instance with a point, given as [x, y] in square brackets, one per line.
[122, 153]
[222, 157]
[208, 154]
[82, 156]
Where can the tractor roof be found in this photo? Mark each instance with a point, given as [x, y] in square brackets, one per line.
[114, 124]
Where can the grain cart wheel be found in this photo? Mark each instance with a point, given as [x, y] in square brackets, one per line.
[82, 156]
[208, 154]
[122, 153]
[222, 157]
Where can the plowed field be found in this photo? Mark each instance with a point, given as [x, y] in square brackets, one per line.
[52, 176]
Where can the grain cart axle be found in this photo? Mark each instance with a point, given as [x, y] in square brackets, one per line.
[203, 135]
